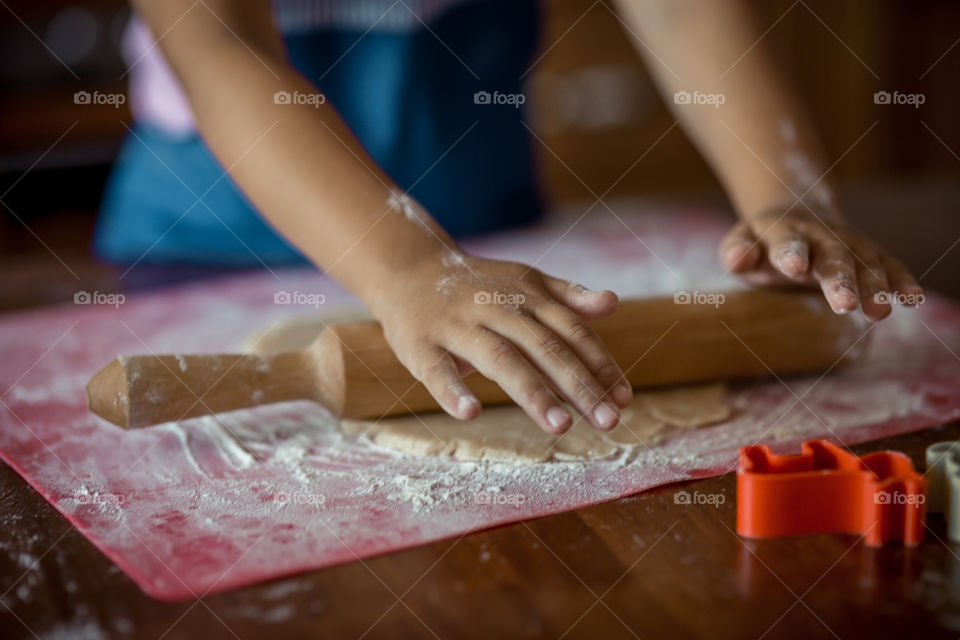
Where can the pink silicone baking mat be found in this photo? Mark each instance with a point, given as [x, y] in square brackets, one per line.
[209, 504]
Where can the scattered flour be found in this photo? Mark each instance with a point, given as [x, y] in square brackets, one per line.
[262, 363]
[402, 203]
[454, 259]
[180, 433]
[233, 449]
[59, 388]
[447, 283]
[217, 483]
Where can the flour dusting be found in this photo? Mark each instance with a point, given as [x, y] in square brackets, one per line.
[276, 489]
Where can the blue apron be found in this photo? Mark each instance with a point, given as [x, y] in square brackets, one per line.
[407, 98]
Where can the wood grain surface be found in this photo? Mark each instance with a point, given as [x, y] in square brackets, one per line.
[641, 567]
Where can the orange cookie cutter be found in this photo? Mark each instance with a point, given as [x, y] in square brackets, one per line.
[827, 489]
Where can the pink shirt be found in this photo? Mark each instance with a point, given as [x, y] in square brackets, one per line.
[157, 99]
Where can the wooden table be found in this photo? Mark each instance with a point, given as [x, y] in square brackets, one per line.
[640, 567]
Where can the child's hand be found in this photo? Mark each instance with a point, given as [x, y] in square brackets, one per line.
[524, 330]
[801, 247]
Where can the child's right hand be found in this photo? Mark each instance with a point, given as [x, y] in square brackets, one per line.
[452, 314]
[304, 170]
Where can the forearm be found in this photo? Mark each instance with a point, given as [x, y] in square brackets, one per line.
[757, 140]
[298, 163]
[304, 170]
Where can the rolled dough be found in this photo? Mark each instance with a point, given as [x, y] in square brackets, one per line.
[505, 433]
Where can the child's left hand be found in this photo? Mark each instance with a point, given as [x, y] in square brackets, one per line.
[802, 246]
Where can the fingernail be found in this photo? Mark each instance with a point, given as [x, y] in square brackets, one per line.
[844, 300]
[793, 260]
[605, 416]
[794, 249]
[735, 255]
[558, 417]
[846, 292]
[466, 404]
[623, 394]
[740, 246]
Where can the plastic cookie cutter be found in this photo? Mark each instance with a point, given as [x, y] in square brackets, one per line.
[943, 476]
[827, 489]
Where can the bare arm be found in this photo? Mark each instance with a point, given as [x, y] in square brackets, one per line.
[709, 61]
[305, 172]
[298, 163]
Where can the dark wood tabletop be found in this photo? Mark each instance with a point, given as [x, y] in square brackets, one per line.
[641, 567]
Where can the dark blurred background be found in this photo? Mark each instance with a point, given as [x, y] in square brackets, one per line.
[591, 102]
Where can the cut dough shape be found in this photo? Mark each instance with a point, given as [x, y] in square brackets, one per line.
[678, 408]
[505, 433]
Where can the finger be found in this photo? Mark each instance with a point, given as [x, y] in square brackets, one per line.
[464, 368]
[787, 250]
[439, 373]
[589, 304]
[498, 359]
[873, 287]
[834, 268]
[902, 281]
[589, 348]
[739, 249]
[561, 366]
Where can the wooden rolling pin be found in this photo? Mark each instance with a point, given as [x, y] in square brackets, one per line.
[352, 371]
